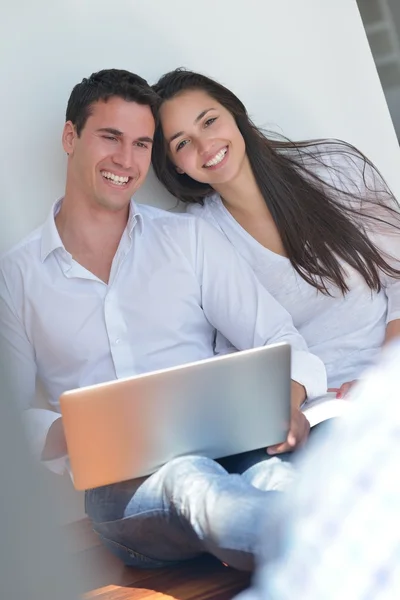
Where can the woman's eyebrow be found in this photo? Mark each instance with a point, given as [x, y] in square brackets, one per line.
[197, 119]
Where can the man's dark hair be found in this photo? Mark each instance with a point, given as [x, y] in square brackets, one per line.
[102, 86]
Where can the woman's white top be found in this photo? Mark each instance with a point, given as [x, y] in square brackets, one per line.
[346, 332]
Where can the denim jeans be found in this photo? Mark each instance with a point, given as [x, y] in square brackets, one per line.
[190, 506]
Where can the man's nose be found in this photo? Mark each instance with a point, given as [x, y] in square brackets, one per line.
[123, 157]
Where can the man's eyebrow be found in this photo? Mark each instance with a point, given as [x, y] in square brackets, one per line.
[111, 130]
[119, 133]
[197, 119]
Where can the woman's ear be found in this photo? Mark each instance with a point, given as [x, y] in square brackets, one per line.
[179, 170]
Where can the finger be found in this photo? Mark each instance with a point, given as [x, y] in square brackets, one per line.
[284, 446]
[344, 389]
[279, 449]
[333, 390]
[305, 433]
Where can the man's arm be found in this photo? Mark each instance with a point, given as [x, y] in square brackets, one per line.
[238, 306]
[44, 427]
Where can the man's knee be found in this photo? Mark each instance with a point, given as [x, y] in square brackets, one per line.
[181, 473]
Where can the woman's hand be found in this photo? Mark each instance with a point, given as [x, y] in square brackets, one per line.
[344, 389]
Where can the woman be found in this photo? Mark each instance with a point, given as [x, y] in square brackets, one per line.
[314, 219]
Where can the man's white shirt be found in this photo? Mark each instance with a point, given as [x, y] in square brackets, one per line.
[174, 282]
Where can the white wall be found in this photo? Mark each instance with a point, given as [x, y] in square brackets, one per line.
[304, 67]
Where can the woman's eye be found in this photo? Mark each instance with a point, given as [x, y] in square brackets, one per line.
[210, 121]
[181, 145]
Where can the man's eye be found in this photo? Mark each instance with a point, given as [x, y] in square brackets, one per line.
[110, 137]
[141, 144]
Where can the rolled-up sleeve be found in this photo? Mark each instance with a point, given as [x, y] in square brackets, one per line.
[18, 357]
[239, 307]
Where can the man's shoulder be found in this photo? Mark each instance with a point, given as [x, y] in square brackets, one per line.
[154, 213]
[22, 252]
[181, 227]
[164, 219]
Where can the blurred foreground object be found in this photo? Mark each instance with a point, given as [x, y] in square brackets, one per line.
[34, 563]
[339, 533]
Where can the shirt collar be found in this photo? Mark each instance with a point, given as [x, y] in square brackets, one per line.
[51, 238]
[135, 217]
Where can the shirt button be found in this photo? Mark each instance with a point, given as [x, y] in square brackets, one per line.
[117, 341]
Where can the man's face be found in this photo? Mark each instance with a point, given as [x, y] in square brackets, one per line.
[110, 159]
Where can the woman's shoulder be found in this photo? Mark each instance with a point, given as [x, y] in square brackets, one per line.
[195, 208]
[205, 207]
[207, 210]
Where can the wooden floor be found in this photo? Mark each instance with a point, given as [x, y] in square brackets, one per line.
[105, 578]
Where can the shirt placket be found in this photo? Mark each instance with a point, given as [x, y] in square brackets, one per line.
[116, 324]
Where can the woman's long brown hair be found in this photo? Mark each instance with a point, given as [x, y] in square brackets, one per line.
[322, 224]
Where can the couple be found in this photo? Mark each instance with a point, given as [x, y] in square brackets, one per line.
[306, 253]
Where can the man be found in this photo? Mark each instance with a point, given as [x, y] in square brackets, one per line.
[106, 289]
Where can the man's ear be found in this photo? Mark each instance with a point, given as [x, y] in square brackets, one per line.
[68, 137]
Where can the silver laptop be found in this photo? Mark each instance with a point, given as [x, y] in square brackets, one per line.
[216, 407]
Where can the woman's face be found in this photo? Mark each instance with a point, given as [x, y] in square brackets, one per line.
[202, 138]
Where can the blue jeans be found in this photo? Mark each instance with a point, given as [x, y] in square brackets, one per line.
[190, 506]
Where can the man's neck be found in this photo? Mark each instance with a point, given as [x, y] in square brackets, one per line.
[91, 234]
[89, 228]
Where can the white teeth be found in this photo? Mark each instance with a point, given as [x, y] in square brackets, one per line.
[217, 158]
[115, 178]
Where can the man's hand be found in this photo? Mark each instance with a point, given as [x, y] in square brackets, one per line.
[56, 445]
[299, 425]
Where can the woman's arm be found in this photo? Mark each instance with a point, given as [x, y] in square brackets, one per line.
[392, 331]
